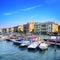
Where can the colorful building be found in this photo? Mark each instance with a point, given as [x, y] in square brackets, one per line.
[46, 27]
[37, 27]
[11, 29]
[49, 27]
[54, 27]
[29, 27]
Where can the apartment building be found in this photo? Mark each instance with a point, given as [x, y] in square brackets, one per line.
[59, 29]
[11, 29]
[0, 30]
[29, 27]
[37, 27]
[46, 27]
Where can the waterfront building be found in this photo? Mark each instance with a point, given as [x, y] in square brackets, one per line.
[49, 27]
[46, 27]
[0, 30]
[11, 29]
[4, 30]
[59, 29]
[29, 27]
[37, 27]
[16, 29]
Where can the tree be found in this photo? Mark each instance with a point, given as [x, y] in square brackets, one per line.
[20, 31]
[32, 31]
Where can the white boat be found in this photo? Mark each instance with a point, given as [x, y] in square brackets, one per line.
[25, 43]
[43, 46]
[17, 41]
[33, 45]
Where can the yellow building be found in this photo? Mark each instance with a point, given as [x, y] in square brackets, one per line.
[20, 28]
[54, 27]
[11, 29]
[29, 27]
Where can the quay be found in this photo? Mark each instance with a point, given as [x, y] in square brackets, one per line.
[53, 43]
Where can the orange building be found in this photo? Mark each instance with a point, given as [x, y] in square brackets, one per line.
[55, 27]
[11, 29]
[29, 27]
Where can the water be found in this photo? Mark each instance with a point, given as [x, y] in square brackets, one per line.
[9, 51]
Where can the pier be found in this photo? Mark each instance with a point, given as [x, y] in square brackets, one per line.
[53, 43]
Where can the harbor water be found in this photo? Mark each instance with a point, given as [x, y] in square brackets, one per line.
[9, 51]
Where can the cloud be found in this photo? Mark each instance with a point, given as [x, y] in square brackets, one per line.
[30, 8]
[26, 9]
[7, 14]
[50, 1]
[10, 13]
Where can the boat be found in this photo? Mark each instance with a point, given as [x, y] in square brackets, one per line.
[17, 41]
[34, 45]
[43, 46]
[25, 43]
[55, 39]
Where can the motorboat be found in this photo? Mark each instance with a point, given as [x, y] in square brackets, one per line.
[25, 43]
[17, 41]
[43, 46]
[34, 45]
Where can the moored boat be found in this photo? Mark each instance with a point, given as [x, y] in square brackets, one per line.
[34, 45]
[43, 46]
[25, 43]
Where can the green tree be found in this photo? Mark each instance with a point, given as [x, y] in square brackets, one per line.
[32, 31]
[20, 31]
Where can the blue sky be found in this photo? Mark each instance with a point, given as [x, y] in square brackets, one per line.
[18, 12]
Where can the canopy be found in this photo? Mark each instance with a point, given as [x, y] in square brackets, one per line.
[32, 36]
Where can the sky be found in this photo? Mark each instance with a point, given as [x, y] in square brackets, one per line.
[19, 12]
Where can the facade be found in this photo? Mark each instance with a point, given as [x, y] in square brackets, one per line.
[16, 29]
[29, 27]
[59, 29]
[4, 30]
[37, 27]
[0, 30]
[11, 29]
[54, 27]
[46, 27]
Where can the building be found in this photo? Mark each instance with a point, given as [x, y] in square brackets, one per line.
[0, 30]
[29, 27]
[59, 29]
[37, 27]
[4, 30]
[20, 28]
[16, 29]
[11, 29]
[46, 27]
[49, 27]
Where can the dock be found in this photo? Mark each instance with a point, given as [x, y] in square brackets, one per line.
[53, 43]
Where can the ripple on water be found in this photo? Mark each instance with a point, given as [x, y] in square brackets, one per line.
[9, 51]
